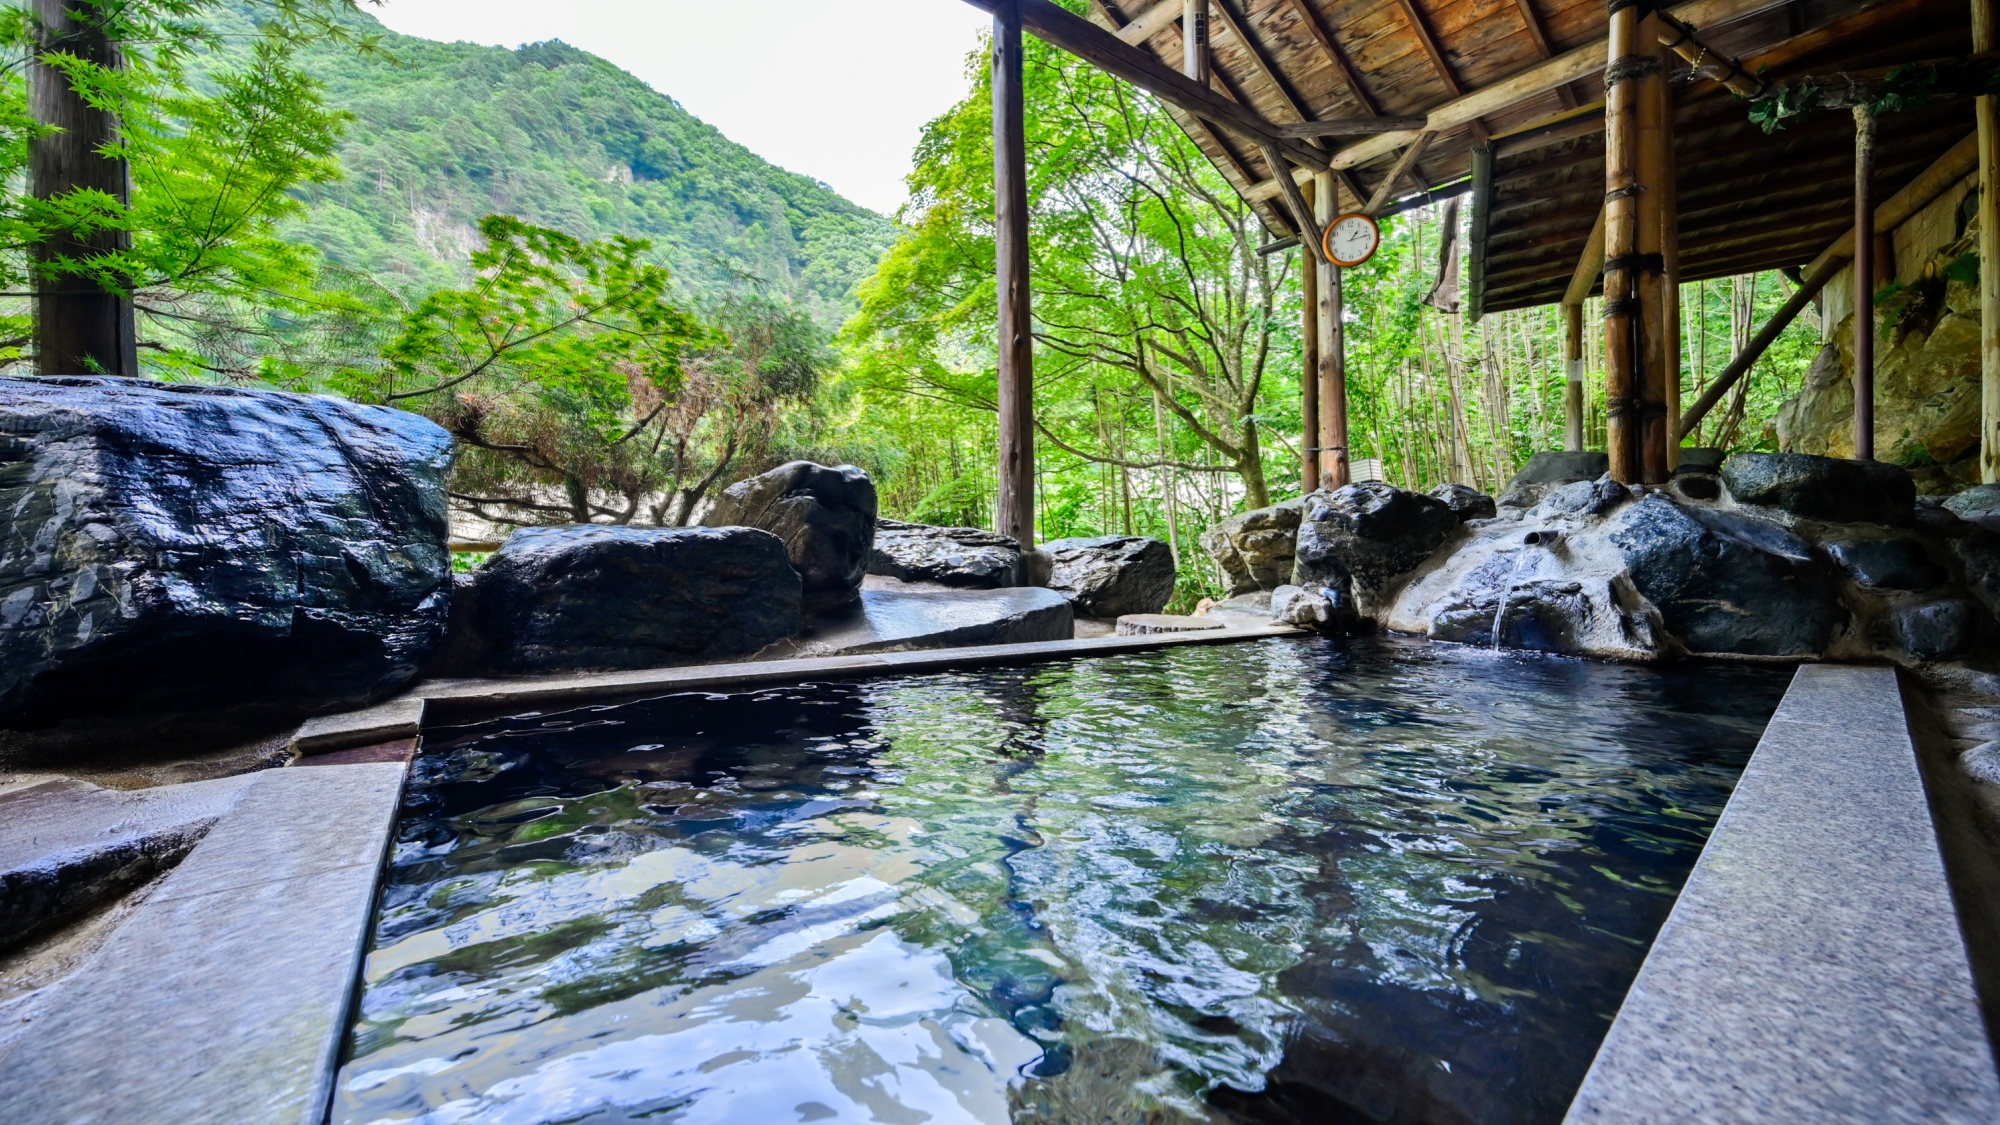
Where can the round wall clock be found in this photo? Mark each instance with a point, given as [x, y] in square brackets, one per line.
[1351, 239]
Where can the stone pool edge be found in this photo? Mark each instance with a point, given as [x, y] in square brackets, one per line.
[1813, 967]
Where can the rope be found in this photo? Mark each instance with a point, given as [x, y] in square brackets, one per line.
[1630, 67]
[1637, 263]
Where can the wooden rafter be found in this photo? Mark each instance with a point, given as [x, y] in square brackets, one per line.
[1151, 22]
[1351, 127]
[1335, 56]
[1536, 31]
[1385, 190]
[1421, 28]
[1239, 29]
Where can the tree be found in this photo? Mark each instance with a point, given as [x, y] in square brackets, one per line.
[155, 190]
[1149, 291]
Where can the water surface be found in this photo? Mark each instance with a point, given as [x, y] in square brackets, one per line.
[1277, 881]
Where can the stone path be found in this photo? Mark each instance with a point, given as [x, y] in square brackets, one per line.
[1812, 969]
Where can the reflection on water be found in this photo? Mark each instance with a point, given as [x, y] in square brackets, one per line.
[1278, 881]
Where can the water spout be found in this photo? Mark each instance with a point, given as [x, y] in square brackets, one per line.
[1543, 538]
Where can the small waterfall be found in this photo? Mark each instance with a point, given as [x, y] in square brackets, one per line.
[1529, 542]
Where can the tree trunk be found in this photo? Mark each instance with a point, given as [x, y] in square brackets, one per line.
[79, 327]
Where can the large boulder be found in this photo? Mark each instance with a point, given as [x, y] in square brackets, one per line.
[1466, 502]
[1255, 548]
[172, 548]
[1823, 488]
[1362, 538]
[1547, 471]
[1737, 587]
[964, 557]
[591, 597]
[1978, 505]
[825, 516]
[1112, 575]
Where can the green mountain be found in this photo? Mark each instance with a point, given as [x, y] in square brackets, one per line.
[445, 133]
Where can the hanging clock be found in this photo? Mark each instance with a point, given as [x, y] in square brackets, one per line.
[1351, 239]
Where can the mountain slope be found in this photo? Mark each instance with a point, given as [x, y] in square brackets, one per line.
[448, 132]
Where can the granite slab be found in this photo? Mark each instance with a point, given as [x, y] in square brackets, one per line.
[1812, 968]
[224, 998]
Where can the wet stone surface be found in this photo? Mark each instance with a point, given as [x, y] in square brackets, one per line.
[1167, 887]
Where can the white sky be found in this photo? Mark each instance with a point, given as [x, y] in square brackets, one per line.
[834, 89]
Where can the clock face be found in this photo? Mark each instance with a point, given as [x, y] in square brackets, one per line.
[1352, 239]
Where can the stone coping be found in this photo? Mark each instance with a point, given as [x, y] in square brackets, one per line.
[1812, 968]
[438, 698]
[223, 997]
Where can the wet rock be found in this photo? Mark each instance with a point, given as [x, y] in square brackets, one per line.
[1934, 630]
[1582, 498]
[1562, 592]
[825, 516]
[1255, 549]
[1982, 762]
[1112, 575]
[1697, 486]
[171, 548]
[1823, 488]
[1465, 502]
[1979, 553]
[1696, 459]
[1362, 538]
[897, 616]
[1320, 608]
[1979, 505]
[1886, 564]
[963, 557]
[1763, 534]
[1723, 593]
[1545, 471]
[566, 599]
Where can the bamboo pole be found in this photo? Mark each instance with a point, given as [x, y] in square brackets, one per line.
[1573, 385]
[1670, 274]
[1015, 511]
[1333, 462]
[1650, 379]
[1864, 283]
[1986, 37]
[1309, 361]
[1622, 322]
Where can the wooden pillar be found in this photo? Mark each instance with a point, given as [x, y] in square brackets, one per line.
[1015, 513]
[1309, 359]
[1670, 268]
[1333, 458]
[79, 327]
[1986, 37]
[1864, 283]
[1623, 324]
[1573, 368]
[1194, 40]
[1651, 380]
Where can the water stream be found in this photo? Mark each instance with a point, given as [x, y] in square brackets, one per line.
[1279, 881]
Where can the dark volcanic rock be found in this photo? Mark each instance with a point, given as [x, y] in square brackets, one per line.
[1465, 502]
[965, 557]
[174, 548]
[1886, 564]
[1979, 505]
[1363, 537]
[1700, 459]
[1980, 554]
[1824, 488]
[1255, 549]
[1544, 471]
[1112, 575]
[563, 599]
[1583, 498]
[1722, 593]
[826, 518]
[1935, 630]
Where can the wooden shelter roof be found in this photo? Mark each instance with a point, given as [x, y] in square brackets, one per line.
[1526, 77]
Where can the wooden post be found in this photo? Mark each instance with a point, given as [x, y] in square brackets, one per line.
[1651, 376]
[1986, 37]
[1333, 457]
[1670, 268]
[1194, 45]
[1015, 513]
[79, 327]
[1864, 283]
[1573, 368]
[1623, 326]
[1309, 359]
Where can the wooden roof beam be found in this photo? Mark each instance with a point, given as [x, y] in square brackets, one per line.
[1518, 87]
[1062, 28]
[1151, 22]
[1422, 29]
[1405, 162]
[1536, 31]
[1352, 127]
